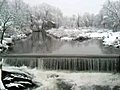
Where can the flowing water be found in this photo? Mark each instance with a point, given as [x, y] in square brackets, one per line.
[34, 44]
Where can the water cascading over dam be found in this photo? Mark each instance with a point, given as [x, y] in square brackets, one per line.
[109, 63]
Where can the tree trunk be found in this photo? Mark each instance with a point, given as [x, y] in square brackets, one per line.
[1, 84]
[2, 37]
[78, 24]
[115, 28]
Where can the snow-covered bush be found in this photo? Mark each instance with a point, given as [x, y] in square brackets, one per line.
[108, 37]
[18, 37]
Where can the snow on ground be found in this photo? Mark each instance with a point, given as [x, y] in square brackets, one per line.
[13, 34]
[61, 32]
[6, 41]
[108, 37]
[14, 84]
[47, 80]
[19, 36]
[112, 39]
[67, 38]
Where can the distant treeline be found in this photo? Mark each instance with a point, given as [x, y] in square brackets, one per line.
[16, 15]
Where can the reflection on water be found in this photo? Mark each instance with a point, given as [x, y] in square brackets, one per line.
[35, 44]
[86, 47]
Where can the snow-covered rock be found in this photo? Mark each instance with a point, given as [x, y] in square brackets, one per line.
[1, 84]
[15, 79]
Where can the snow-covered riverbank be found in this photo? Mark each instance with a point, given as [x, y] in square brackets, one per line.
[108, 37]
[8, 41]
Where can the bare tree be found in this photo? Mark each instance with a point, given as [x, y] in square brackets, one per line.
[21, 13]
[78, 20]
[112, 11]
[5, 19]
[5, 27]
[88, 19]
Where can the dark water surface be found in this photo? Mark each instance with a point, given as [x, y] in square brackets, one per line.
[36, 45]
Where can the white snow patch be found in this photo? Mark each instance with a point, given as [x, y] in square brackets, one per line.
[109, 37]
[66, 38]
[8, 40]
[14, 84]
[23, 82]
[8, 78]
[18, 36]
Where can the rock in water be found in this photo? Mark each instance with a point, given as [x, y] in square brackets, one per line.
[81, 39]
[16, 81]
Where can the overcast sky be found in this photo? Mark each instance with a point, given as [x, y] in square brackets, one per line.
[70, 7]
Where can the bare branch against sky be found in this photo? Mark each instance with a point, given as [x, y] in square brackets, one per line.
[70, 7]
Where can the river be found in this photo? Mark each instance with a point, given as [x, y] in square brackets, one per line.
[65, 80]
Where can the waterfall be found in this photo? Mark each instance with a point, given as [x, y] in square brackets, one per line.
[99, 64]
[29, 62]
[70, 63]
[80, 64]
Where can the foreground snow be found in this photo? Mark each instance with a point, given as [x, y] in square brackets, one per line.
[108, 37]
[48, 80]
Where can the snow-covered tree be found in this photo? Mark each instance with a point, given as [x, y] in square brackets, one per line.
[48, 13]
[111, 9]
[88, 19]
[21, 14]
[5, 17]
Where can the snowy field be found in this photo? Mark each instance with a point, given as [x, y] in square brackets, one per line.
[48, 80]
[109, 38]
